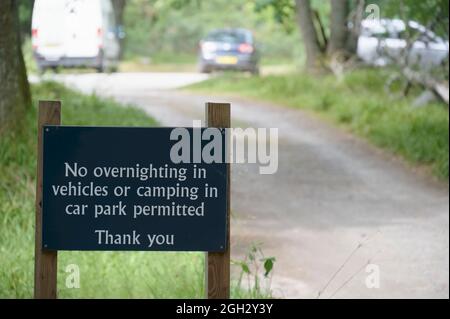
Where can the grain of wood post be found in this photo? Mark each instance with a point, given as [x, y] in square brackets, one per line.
[45, 267]
[218, 264]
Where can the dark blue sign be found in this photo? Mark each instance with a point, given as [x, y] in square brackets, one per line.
[108, 188]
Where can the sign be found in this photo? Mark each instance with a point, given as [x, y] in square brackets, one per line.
[110, 188]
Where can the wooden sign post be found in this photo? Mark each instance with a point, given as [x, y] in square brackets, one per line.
[45, 262]
[157, 211]
[218, 264]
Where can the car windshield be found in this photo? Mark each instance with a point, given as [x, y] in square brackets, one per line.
[229, 36]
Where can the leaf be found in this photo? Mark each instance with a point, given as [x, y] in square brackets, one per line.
[245, 268]
[268, 265]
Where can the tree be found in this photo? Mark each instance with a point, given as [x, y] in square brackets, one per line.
[339, 27]
[323, 41]
[15, 97]
[25, 8]
[119, 10]
[357, 12]
[338, 46]
[314, 52]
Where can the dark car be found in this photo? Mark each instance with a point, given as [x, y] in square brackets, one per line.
[229, 49]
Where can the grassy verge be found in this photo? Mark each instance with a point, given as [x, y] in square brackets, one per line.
[102, 274]
[160, 63]
[359, 102]
[189, 63]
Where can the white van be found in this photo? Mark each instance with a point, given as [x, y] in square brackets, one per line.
[75, 33]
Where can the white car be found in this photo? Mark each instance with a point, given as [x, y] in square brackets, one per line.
[383, 41]
[75, 33]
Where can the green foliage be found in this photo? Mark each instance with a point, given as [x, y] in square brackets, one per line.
[359, 102]
[162, 27]
[81, 109]
[268, 265]
[432, 13]
[30, 62]
[283, 11]
[158, 28]
[171, 27]
[257, 270]
[25, 12]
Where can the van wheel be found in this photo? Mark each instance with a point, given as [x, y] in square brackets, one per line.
[204, 69]
[101, 59]
[100, 69]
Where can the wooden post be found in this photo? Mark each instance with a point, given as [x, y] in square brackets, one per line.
[218, 264]
[45, 262]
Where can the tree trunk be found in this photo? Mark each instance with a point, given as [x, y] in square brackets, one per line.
[314, 53]
[338, 27]
[356, 18]
[15, 95]
[119, 10]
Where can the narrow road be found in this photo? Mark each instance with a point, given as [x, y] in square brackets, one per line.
[334, 198]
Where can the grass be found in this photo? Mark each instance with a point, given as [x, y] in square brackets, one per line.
[169, 62]
[358, 102]
[102, 274]
[184, 62]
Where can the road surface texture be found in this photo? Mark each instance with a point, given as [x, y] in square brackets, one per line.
[335, 205]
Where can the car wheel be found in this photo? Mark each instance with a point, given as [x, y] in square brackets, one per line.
[204, 69]
[100, 68]
[101, 62]
[255, 71]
